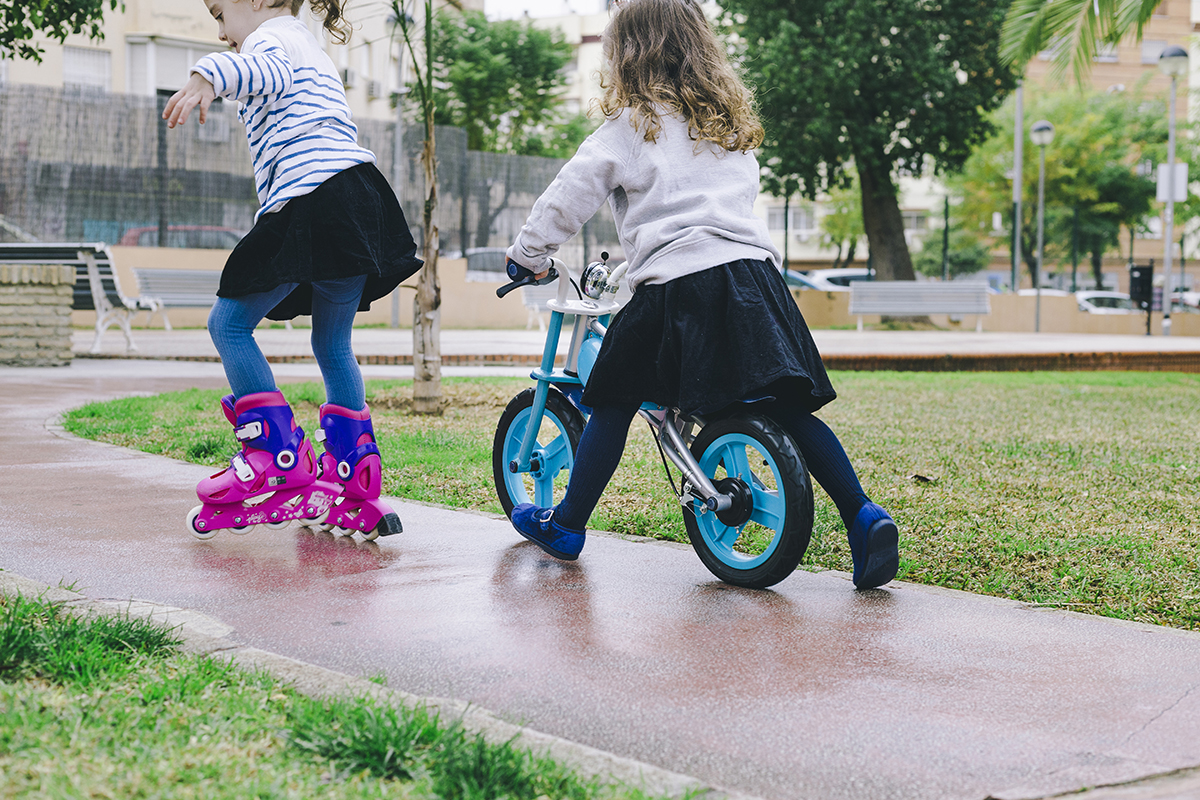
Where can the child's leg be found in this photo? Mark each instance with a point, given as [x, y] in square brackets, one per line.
[334, 305]
[596, 460]
[874, 540]
[826, 459]
[231, 325]
[560, 531]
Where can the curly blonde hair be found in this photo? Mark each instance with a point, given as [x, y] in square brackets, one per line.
[665, 53]
[334, 11]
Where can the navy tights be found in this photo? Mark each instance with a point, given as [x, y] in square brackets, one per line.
[603, 443]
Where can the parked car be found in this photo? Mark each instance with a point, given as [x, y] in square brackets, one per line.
[832, 280]
[1096, 302]
[199, 236]
[1045, 292]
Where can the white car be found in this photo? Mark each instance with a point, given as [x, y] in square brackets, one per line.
[831, 280]
[1095, 302]
[1045, 293]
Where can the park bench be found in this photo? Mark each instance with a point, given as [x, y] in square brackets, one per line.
[96, 287]
[178, 288]
[917, 299]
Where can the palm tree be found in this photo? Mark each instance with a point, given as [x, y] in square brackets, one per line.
[1073, 29]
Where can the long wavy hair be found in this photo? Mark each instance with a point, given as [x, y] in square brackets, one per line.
[335, 18]
[664, 53]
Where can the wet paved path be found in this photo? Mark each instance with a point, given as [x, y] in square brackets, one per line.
[810, 691]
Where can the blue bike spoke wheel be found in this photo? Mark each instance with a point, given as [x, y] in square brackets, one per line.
[544, 481]
[762, 538]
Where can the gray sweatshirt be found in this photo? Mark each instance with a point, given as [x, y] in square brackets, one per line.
[681, 206]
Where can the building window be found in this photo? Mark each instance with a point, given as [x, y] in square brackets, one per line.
[916, 221]
[1152, 49]
[154, 64]
[84, 67]
[802, 225]
[1106, 53]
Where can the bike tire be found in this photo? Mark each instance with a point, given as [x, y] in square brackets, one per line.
[761, 540]
[558, 439]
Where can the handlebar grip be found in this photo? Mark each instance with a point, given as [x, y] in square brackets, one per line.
[526, 280]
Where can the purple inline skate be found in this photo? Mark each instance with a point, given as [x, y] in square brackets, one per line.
[272, 481]
[351, 459]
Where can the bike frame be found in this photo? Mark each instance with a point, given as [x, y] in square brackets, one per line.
[591, 319]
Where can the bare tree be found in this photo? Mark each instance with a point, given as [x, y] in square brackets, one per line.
[427, 348]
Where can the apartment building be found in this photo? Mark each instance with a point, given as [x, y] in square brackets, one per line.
[149, 48]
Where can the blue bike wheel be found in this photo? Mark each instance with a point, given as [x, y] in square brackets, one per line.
[545, 482]
[762, 538]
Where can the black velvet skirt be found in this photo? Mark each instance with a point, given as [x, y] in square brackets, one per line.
[349, 225]
[706, 340]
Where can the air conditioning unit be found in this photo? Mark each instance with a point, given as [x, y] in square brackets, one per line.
[349, 78]
[374, 89]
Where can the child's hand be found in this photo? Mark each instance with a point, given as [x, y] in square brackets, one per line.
[196, 92]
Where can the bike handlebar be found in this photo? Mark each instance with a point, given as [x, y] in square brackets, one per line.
[523, 277]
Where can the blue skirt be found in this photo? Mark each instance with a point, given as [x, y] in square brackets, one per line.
[706, 340]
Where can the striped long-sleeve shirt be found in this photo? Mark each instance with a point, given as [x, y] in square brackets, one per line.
[291, 100]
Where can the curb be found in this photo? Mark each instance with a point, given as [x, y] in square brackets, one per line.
[949, 362]
[204, 635]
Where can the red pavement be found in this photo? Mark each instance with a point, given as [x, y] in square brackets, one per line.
[810, 691]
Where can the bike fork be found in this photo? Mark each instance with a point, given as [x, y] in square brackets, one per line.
[696, 483]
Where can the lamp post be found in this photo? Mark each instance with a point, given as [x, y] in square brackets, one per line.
[1018, 167]
[1041, 134]
[1174, 63]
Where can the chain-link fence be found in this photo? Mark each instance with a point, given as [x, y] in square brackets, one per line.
[90, 166]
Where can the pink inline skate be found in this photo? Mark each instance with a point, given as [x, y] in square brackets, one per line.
[351, 459]
[272, 481]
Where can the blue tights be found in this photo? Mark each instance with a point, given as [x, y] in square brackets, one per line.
[603, 442]
[232, 322]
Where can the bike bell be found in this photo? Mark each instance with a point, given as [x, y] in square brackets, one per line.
[595, 280]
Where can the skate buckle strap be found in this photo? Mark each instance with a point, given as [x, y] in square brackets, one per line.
[251, 430]
[319, 434]
[241, 468]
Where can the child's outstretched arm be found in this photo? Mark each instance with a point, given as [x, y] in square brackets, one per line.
[581, 187]
[262, 69]
[196, 93]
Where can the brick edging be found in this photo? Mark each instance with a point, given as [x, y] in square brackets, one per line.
[950, 362]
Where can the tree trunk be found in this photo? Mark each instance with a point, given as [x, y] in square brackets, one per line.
[427, 348]
[884, 225]
[1098, 264]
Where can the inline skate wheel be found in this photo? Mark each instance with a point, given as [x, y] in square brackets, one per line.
[199, 532]
[242, 530]
[389, 525]
[275, 526]
[317, 522]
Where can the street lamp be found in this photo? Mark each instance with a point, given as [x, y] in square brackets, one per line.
[1174, 64]
[1041, 134]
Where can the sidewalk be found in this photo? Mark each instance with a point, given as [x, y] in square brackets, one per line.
[841, 349]
[810, 691]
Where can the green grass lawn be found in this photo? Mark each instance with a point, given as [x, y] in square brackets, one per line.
[106, 707]
[1077, 490]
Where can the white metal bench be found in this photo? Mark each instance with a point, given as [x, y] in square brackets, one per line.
[181, 288]
[96, 287]
[913, 299]
[178, 288]
[535, 299]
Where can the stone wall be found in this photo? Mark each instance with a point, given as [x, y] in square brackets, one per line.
[35, 314]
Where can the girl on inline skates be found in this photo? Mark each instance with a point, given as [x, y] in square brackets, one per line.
[711, 320]
[328, 239]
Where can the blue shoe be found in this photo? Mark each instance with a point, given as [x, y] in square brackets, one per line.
[538, 526]
[874, 546]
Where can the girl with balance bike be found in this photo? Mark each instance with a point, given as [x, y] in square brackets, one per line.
[711, 338]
